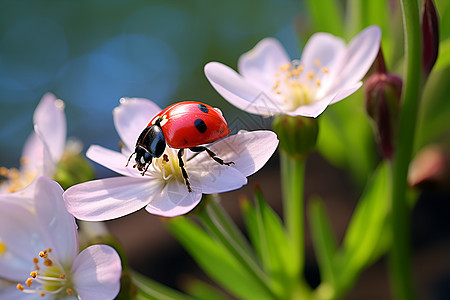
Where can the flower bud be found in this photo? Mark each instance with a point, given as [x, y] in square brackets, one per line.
[430, 36]
[430, 169]
[297, 135]
[382, 101]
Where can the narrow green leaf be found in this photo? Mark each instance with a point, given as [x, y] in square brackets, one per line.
[277, 253]
[216, 260]
[249, 215]
[203, 291]
[435, 109]
[325, 244]
[443, 60]
[367, 225]
[149, 289]
[326, 16]
[222, 228]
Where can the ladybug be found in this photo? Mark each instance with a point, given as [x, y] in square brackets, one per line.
[183, 125]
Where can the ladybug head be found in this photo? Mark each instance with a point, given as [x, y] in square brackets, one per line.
[143, 158]
[151, 143]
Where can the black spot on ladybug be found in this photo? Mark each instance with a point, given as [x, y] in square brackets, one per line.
[203, 108]
[200, 125]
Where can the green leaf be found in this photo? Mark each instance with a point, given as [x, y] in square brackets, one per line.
[325, 244]
[367, 226]
[326, 16]
[443, 60]
[216, 260]
[249, 215]
[149, 289]
[276, 253]
[434, 112]
[203, 291]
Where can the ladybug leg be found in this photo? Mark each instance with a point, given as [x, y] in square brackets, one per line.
[148, 165]
[211, 154]
[183, 170]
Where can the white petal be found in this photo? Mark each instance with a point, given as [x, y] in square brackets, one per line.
[321, 50]
[23, 197]
[174, 200]
[240, 92]
[345, 92]
[57, 225]
[249, 150]
[12, 293]
[50, 118]
[314, 109]
[131, 117]
[359, 56]
[96, 273]
[260, 64]
[33, 154]
[22, 239]
[49, 164]
[113, 160]
[110, 198]
[208, 177]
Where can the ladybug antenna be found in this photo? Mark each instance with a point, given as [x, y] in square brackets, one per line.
[129, 158]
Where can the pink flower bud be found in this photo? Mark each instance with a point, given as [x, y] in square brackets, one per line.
[430, 36]
[430, 168]
[382, 100]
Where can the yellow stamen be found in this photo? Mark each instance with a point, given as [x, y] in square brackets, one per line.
[63, 276]
[48, 262]
[325, 69]
[317, 82]
[69, 291]
[35, 260]
[29, 281]
[3, 171]
[311, 74]
[317, 62]
[20, 287]
[277, 83]
[2, 248]
[34, 274]
[285, 67]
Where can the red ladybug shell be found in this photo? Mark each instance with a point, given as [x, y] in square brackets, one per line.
[190, 123]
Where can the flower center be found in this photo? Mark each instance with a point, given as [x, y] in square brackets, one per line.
[168, 166]
[14, 179]
[297, 86]
[50, 278]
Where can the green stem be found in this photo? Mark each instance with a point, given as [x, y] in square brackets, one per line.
[292, 180]
[215, 219]
[400, 260]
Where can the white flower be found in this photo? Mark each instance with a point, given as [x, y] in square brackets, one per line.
[45, 242]
[162, 190]
[270, 83]
[43, 148]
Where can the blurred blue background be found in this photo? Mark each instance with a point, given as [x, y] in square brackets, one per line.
[92, 53]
